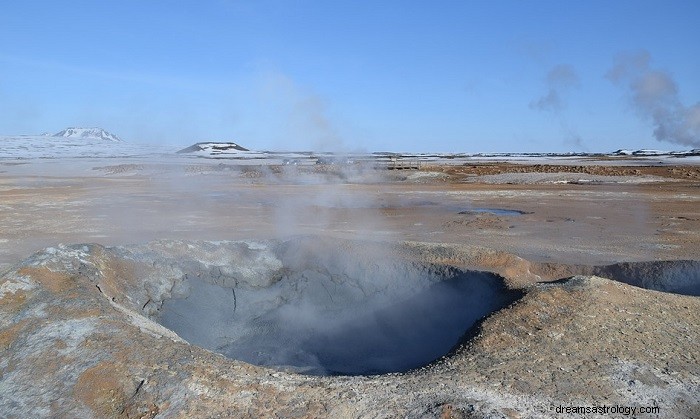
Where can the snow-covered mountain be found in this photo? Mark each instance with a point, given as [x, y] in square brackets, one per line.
[214, 147]
[88, 133]
[76, 143]
[222, 150]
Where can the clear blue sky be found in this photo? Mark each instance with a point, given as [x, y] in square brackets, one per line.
[453, 76]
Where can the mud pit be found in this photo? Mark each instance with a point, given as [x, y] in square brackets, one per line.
[678, 276]
[324, 311]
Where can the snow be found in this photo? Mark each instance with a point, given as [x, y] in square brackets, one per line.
[222, 150]
[95, 143]
[623, 152]
[42, 147]
[649, 152]
[91, 133]
[215, 147]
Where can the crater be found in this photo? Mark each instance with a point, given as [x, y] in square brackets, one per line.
[674, 276]
[326, 306]
[323, 310]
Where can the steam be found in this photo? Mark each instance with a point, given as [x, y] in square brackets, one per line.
[296, 293]
[654, 95]
[304, 111]
[320, 306]
[301, 295]
[574, 138]
[560, 78]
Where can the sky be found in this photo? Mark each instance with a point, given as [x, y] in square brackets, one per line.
[418, 76]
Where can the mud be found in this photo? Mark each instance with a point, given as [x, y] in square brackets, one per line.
[343, 311]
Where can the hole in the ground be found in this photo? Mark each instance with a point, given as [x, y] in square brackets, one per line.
[676, 276]
[335, 313]
[673, 276]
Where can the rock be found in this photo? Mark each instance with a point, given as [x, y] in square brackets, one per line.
[77, 339]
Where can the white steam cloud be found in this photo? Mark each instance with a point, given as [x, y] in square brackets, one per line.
[654, 95]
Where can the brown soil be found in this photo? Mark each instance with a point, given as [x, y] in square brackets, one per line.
[672, 172]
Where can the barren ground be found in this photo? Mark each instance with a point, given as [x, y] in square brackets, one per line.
[653, 213]
[584, 342]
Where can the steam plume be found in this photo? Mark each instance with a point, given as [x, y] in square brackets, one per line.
[305, 112]
[654, 95]
[560, 78]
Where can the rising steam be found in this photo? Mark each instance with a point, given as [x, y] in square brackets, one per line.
[560, 78]
[304, 112]
[654, 95]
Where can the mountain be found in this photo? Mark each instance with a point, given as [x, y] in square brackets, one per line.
[214, 147]
[88, 133]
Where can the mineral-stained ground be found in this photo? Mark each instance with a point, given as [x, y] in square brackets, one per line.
[144, 289]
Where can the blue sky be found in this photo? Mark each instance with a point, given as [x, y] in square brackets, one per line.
[450, 76]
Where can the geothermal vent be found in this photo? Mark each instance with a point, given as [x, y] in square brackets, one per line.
[313, 306]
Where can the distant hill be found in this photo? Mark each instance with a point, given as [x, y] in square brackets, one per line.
[88, 133]
[214, 147]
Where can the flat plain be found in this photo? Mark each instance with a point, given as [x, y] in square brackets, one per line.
[626, 337]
